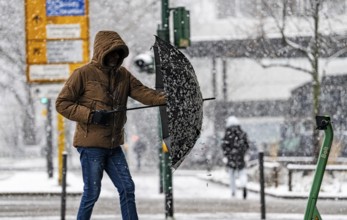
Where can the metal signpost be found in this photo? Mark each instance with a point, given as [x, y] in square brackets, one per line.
[164, 156]
[181, 23]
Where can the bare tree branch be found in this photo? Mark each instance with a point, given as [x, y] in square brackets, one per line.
[7, 55]
[335, 55]
[282, 28]
[338, 53]
[285, 65]
[13, 91]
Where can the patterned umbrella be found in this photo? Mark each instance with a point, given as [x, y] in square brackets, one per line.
[182, 117]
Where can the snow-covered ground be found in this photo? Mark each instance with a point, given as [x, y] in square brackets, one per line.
[146, 187]
[214, 216]
[332, 187]
[29, 177]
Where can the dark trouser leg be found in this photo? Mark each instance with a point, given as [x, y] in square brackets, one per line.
[92, 162]
[118, 170]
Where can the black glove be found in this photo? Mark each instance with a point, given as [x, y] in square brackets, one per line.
[101, 117]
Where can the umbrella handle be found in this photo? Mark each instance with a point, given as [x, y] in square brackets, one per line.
[149, 106]
[135, 108]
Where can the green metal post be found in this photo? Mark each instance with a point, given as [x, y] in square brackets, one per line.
[165, 15]
[181, 27]
[167, 183]
[160, 153]
[166, 175]
[323, 123]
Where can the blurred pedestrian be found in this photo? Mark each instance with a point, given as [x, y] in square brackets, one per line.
[87, 97]
[235, 145]
[139, 149]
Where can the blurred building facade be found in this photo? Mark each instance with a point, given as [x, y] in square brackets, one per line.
[227, 45]
[296, 135]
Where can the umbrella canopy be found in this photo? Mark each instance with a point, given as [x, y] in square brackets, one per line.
[182, 117]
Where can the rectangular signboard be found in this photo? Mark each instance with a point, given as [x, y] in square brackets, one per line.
[56, 31]
[46, 91]
[65, 7]
[67, 51]
[49, 72]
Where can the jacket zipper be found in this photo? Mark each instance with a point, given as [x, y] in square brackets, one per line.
[111, 83]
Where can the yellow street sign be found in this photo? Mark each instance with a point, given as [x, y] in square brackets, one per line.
[35, 18]
[36, 51]
[57, 34]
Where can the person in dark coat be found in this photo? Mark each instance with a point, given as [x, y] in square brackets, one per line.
[87, 98]
[139, 149]
[235, 145]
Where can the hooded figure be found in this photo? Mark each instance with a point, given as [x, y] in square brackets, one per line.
[98, 86]
[235, 145]
[87, 97]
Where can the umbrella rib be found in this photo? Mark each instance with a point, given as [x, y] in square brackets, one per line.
[149, 106]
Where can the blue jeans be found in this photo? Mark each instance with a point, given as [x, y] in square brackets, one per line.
[94, 161]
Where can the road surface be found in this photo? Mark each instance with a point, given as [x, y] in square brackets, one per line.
[194, 198]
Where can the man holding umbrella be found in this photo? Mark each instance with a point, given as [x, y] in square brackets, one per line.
[88, 97]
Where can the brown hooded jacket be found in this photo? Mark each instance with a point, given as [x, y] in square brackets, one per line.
[95, 86]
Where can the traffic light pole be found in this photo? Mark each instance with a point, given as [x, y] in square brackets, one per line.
[164, 155]
[165, 15]
[181, 26]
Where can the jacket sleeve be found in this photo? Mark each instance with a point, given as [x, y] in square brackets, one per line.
[144, 94]
[225, 143]
[67, 100]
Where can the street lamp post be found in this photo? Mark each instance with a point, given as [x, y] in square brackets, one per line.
[181, 31]
[164, 156]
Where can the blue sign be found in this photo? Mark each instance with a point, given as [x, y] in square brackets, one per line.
[65, 7]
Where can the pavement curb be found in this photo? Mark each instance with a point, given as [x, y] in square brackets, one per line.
[70, 194]
[277, 194]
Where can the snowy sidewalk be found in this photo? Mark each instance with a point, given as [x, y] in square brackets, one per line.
[37, 183]
[191, 216]
[301, 192]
